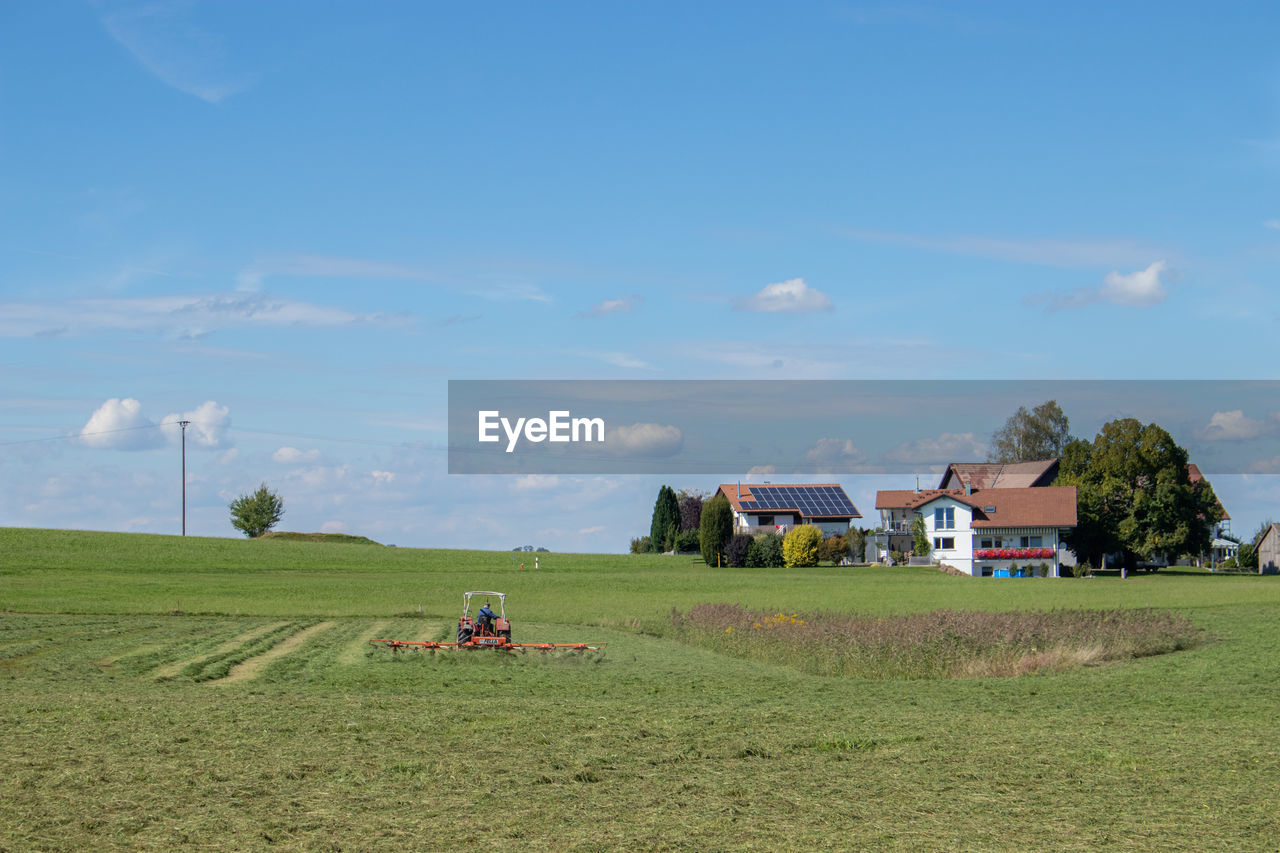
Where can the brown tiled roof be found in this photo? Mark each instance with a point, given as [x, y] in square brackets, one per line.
[1194, 475]
[737, 492]
[910, 499]
[1002, 475]
[1038, 506]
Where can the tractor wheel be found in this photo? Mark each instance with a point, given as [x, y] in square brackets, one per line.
[463, 636]
[506, 633]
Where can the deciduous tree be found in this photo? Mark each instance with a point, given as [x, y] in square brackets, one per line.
[1135, 496]
[255, 514]
[1041, 433]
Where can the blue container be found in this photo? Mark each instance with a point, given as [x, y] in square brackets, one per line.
[1001, 573]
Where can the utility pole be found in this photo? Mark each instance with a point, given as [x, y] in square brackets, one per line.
[183, 424]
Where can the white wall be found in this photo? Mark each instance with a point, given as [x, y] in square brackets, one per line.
[961, 529]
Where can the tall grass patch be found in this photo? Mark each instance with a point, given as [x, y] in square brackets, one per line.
[938, 644]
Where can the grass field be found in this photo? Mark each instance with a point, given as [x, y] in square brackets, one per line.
[221, 694]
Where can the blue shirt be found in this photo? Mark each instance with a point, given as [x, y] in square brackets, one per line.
[485, 612]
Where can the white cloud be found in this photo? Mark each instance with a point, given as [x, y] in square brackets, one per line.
[1273, 224]
[165, 42]
[621, 359]
[758, 471]
[792, 296]
[1142, 288]
[587, 531]
[333, 527]
[1232, 426]
[1046, 252]
[382, 476]
[621, 305]
[326, 266]
[207, 429]
[644, 439]
[948, 447]
[1267, 466]
[291, 455]
[186, 316]
[834, 455]
[535, 482]
[119, 424]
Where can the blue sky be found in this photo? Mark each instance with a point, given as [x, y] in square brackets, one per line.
[294, 222]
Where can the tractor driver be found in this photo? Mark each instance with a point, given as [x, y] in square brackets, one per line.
[485, 616]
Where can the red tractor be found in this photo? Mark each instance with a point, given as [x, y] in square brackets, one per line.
[487, 628]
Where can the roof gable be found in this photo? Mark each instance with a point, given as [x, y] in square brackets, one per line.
[1000, 475]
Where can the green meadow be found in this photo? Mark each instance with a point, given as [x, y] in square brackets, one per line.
[160, 692]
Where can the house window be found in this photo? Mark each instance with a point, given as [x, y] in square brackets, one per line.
[944, 543]
[985, 543]
[766, 519]
[944, 518]
[1031, 541]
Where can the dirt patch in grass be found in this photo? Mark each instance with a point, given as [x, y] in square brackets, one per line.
[940, 644]
[249, 669]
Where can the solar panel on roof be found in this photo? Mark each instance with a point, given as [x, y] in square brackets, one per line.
[809, 501]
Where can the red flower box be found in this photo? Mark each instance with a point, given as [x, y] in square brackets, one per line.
[1046, 553]
[1006, 553]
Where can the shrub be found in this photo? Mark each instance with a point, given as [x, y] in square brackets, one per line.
[921, 538]
[735, 550]
[800, 546]
[833, 549]
[716, 526]
[856, 539]
[765, 552]
[1081, 570]
[639, 545]
[687, 540]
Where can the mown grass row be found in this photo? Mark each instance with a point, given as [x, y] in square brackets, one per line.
[938, 644]
[218, 665]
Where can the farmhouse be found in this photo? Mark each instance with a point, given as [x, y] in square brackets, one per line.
[983, 531]
[761, 507]
[1269, 551]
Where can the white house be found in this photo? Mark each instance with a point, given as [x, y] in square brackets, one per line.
[984, 532]
[764, 507]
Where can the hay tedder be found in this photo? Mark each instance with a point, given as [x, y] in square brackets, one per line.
[485, 630]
